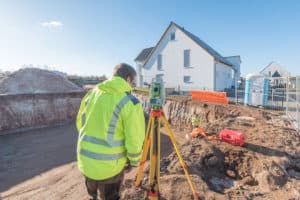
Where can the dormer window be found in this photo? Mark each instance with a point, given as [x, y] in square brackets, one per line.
[172, 36]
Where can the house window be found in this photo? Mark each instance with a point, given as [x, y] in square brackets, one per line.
[186, 58]
[187, 79]
[172, 36]
[159, 62]
[270, 73]
[141, 83]
[159, 77]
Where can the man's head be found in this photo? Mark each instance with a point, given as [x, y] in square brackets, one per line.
[126, 72]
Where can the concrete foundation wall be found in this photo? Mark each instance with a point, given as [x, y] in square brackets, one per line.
[30, 110]
[22, 111]
[179, 112]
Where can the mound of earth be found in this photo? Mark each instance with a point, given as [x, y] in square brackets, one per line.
[34, 80]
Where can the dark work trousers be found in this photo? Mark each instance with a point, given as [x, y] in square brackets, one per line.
[109, 188]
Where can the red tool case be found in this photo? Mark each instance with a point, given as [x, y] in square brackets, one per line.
[232, 137]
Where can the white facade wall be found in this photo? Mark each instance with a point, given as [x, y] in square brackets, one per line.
[224, 76]
[173, 71]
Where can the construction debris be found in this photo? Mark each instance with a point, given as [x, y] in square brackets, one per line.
[245, 120]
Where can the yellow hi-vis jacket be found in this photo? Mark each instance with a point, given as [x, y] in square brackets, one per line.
[111, 128]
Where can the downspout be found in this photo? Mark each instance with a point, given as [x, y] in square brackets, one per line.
[214, 75]
[235, 79]
[236, 86]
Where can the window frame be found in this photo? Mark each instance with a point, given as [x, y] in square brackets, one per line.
[159, 62]
[188, 81]
[185, 63]
[172, 36]
[159, 76]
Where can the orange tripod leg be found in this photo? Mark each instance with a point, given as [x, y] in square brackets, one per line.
[173, 140]
[153, 191]
[145, 151]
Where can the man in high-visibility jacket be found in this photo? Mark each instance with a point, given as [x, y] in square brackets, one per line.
[111, 128]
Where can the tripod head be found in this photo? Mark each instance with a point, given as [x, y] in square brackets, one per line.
[157, 95]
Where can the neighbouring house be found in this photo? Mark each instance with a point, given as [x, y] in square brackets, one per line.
[276, 73]
[184, 62]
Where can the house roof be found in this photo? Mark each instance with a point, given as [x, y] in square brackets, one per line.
[232, 56]
[196, 39]
[205, 46]
[143, 55]
[282, 71]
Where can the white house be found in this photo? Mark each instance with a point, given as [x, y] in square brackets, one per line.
[184, 62]
[276, 73]
[274, 70]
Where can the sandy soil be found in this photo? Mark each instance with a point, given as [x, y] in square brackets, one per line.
[41, 164]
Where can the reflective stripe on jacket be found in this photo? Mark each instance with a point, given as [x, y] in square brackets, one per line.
[111, 130]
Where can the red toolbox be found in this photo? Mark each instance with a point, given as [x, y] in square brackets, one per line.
[232, 137]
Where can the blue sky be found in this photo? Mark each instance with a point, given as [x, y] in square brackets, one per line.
[90, 37]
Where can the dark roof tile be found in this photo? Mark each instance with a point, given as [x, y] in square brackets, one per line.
[205, 46]
[143, 55]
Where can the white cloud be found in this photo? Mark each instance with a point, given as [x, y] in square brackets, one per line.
[51, 24]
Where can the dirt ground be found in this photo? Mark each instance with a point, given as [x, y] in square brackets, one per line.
[41, 164]
[267, 167]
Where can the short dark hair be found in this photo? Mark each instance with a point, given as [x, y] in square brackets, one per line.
[124, 71]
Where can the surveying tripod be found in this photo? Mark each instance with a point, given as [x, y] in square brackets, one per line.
[153, 140]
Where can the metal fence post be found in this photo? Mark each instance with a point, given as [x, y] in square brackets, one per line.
[272, 93]
[287, 95]
[236, 88]
[298, 102]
